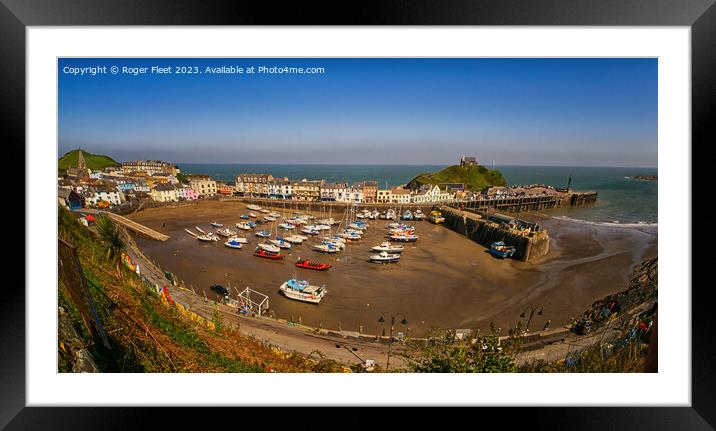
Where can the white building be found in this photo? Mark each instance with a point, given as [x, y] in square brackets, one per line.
[164, 193]
[430, 194]
[280, 189]
[96, 194]
[399, 195]
[203, 186]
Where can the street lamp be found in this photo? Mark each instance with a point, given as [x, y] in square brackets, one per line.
[539, 313]
[392, 325]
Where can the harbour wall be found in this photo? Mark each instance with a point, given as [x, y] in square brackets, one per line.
[534, 203]
[484, 232]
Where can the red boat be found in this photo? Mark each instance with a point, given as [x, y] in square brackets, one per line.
[267, 254]
[310, 264]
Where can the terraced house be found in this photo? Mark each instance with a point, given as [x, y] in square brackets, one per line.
[203, 185]
[256, 185]
[306, 190]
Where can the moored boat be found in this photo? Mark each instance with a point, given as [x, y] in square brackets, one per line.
[294, 239]
[300, 290]
[244, 226]
[253, 207]
[388, 247]
[502, 250]
[326, 247]
[269, 247]
[312, 264]
[280, 242]
[233, 243]
[385, 257]
[226, 232]
[403, 237]
[436, 217]
[263, 234]
[215, 224]
[259, 252]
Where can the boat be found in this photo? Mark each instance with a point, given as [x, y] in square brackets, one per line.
[269, 247]
[280, 242]
[309, 230]
[312, 264]
[287, 226]
[300, 290]
[501, 250]
[270, 218]
[388, 247]
[233, 243]
[264, 210]
[208, 237]
[294, 239]
[407, 215]
[259, 252]
[385, 257]
[240, 239]
[215, 224]
[263, 234]
[403, 237]
[244, 216]
[253, 207]
[190, 233]
[251, 224]
[253, 215]
[326, 247]
[419, 215]
[436, 217]
[244, 226]
[226, 232]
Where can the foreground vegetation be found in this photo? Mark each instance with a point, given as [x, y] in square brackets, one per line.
[144, 332]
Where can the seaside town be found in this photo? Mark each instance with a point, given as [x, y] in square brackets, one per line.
[158, 181]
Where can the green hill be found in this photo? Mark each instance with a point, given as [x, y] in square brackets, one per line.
[93, 161]
[474, 177]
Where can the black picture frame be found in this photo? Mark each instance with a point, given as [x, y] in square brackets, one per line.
[16, 15]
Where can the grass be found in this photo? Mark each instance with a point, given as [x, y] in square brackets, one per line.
[93, 161]
[474, 177]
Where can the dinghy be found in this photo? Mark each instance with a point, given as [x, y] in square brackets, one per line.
[312, 264]
[300, 290]
[259, 252]
[232, 243]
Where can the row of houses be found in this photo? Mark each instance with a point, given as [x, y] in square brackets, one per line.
[268, 186]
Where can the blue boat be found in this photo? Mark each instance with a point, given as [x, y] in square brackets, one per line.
[245, 217]
[263, 234]
[501, 250]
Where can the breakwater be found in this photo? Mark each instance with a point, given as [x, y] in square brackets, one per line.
[530, 245]
[534, 203]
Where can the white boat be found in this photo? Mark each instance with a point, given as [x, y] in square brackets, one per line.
[215, 224]
[226, 232]
[208, 237]
[253, 207]
[243, 226]
[269, 247]
[310, 231]
[328, 221]
[253, 215]
[190, 233]
[264, 210]
[240, 239]
[326, 247]
[280, 242]
[300, 290]
[274, 214]
[388, 247]
[294, 239]
[322, 227]
[263, 234]
[233, 243]
[404, 237]
[269, 218]
[385, 257]
[287, 226]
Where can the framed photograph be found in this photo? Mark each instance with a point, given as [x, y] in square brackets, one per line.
[422, 205]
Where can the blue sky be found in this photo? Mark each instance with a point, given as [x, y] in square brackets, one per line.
[572, 112]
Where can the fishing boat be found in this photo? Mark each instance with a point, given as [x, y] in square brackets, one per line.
[253, 207]
[403, 237]
[501, 250]
[436, 217]
[263, 234]
[385, 257]
[300, 290]
[280, 242]
[215, 224]
[226, 232]
[243, 226]
[287, 226]
[312, 264]
[233, 243]
[326, 247]
[259, 252]
[388, 247]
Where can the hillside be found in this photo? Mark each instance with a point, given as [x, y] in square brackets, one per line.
[93, 161]
[474, 177]
[147, 334]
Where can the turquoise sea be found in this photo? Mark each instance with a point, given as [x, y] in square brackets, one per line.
[622, 200]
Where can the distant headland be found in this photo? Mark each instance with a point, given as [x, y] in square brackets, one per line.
[645, 177]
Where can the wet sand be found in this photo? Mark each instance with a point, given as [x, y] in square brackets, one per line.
[442, 280]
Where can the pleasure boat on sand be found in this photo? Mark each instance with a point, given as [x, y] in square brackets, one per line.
[294, 239]
[300, 290]
[403, 237]
[385, 257]
[244, 226]
[252, 215]
[326, 247]
[287, 226]
[232, 243]
[240, 239]
[388, 247]
[244, 216]
[253, 207]
[312, 264]
[263, 234]
[280, 242]
[269, 247]
[215, 224]
[259, 252]
[226, 232]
